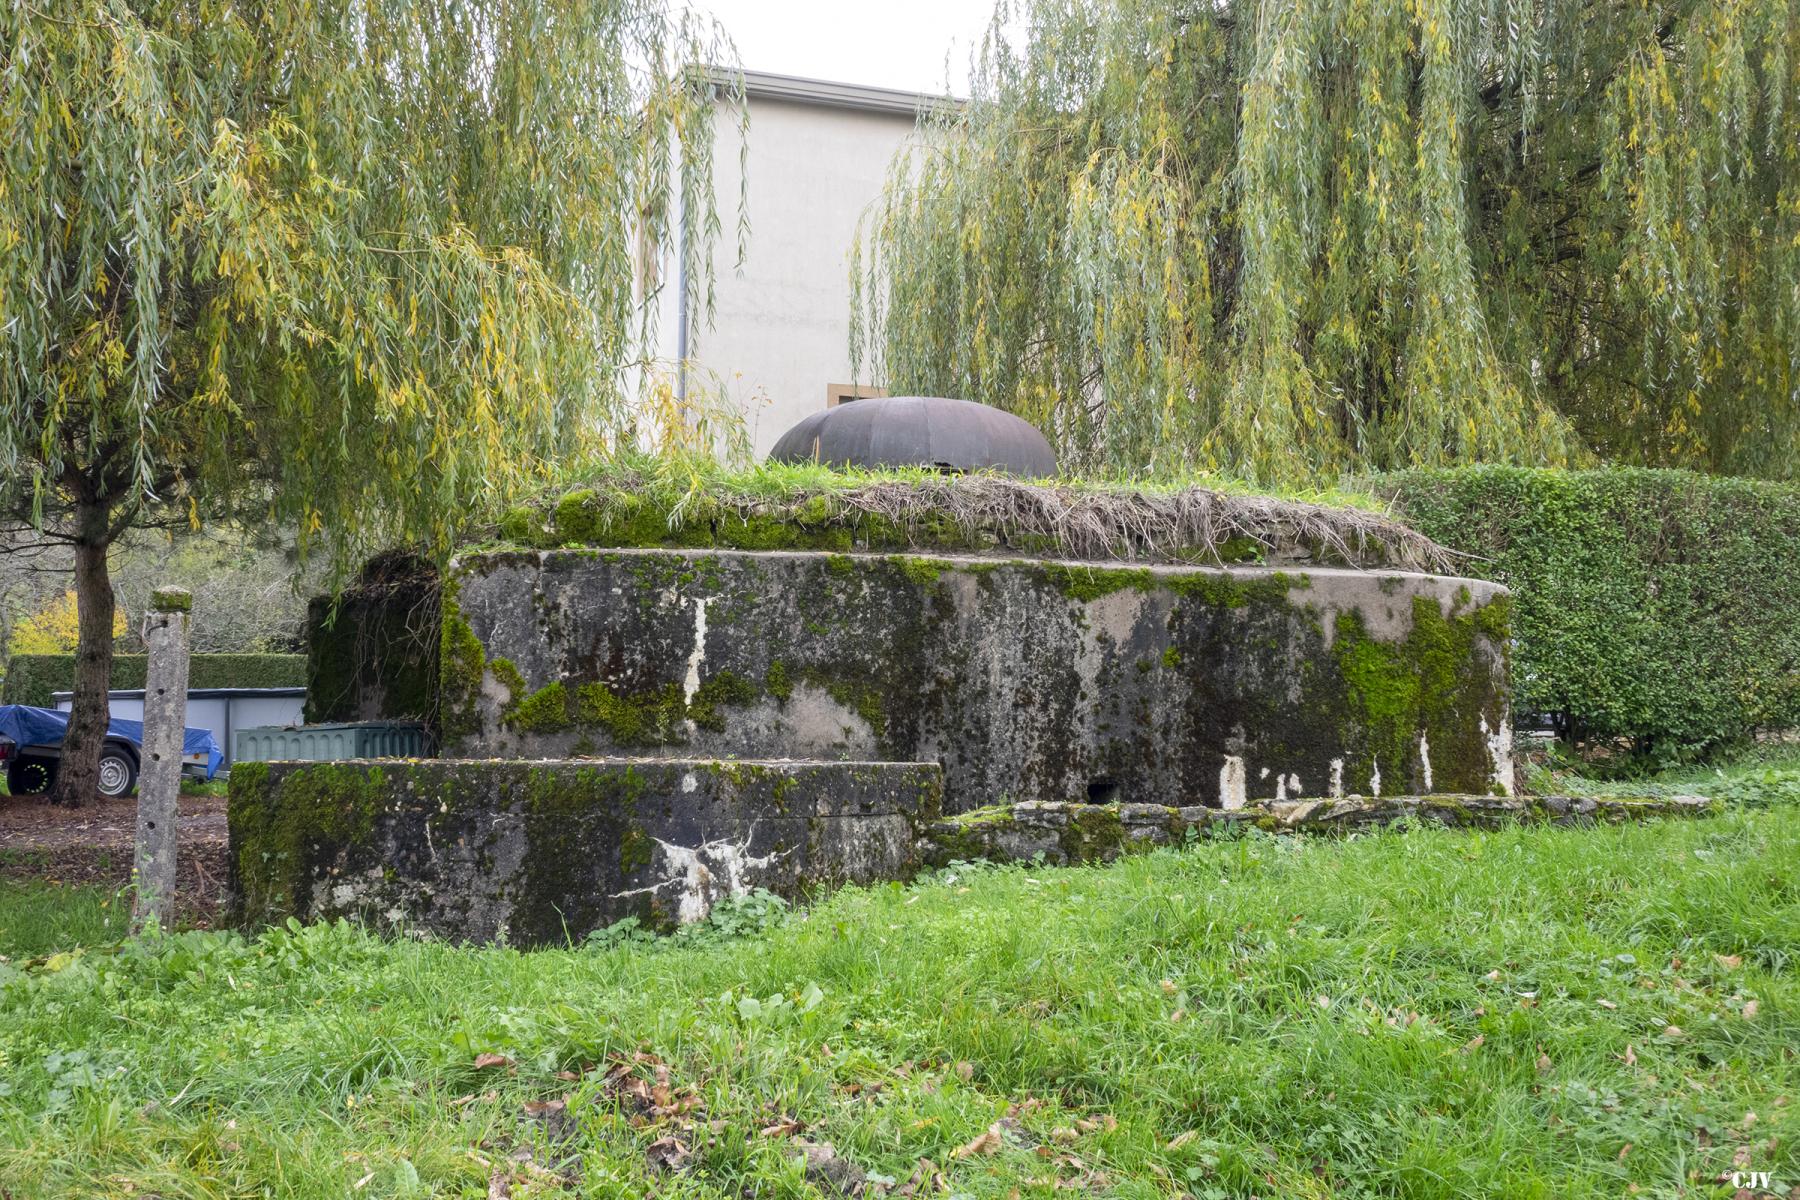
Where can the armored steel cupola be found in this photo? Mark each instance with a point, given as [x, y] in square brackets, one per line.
[919, 431]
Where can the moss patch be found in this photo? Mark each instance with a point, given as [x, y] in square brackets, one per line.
[1087, 584]
[922, 571]
[653, 718]
[543, 711]
[1422, 686]
[776, 681]
[461, 661]
[1094, 833]
[723, 688]
[279, 833]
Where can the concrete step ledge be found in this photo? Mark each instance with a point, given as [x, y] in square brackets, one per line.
[541, 851]
[1080, 833]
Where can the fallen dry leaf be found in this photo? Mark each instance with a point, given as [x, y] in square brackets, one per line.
[1730, 962]
[785, 1127]
[965, 1071]
[362, 1183]
[1492, 976]
[925, 1180]
[1182, 1139]
[1474, 1043]
[1630, 1055]
[667, 1154]
[1178, 1016]
[660, 1095]
[985, 1143]
[1168, 987]
[1673, 1031]
[1750, 1007]
[485, 1061]
[1062, 1135]
[1543, 1063]
[829, 1171]
[1104, 1121]
[1606, 1004]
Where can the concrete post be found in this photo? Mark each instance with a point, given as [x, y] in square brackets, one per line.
[159, 767]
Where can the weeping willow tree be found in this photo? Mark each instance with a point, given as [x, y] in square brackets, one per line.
[1285, 238]
[347, 267]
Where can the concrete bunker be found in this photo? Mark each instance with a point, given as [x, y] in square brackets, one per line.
[1041, 680]
[599, 645]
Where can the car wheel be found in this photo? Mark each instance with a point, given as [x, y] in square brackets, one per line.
[118, 773]
[30, 775]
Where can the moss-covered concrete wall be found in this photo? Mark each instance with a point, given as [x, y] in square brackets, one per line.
[537, 852]
[1032, 680]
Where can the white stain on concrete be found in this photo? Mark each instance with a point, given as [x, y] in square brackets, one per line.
[690, 687]
[701, 876]
[1425, 760]
[1375, 778]
[1233, 792]
[1280, 787]
[1293, 785]
[689, 783]
[1337, 779]
[1499, 747]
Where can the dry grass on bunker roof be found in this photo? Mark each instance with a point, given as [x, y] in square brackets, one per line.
[1530, 1012]
[1185, 518]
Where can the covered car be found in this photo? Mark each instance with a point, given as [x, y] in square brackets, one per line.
[31, 750]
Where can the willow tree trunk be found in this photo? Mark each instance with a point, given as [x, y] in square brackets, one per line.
[78, 774]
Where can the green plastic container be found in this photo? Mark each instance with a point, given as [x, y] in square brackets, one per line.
[329, 743]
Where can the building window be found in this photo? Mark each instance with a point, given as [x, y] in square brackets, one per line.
[844, 393]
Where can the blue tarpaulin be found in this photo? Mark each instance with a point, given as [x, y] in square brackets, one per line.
[45, 726]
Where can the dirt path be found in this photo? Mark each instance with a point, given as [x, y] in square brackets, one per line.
[93, 845]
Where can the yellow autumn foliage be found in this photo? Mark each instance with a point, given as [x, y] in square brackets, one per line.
[54, 628]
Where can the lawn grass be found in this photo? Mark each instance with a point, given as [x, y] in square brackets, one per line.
[1760, 774]
[42, 918]
[1533, 1012]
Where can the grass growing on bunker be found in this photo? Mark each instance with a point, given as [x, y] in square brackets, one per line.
[1530, 1012]
[633, 501]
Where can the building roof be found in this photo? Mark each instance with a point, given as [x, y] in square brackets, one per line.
[824, 93]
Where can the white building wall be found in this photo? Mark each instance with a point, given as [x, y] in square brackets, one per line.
[780, 335]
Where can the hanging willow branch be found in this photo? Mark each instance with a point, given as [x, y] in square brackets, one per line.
[1283, 238]
[356, 267]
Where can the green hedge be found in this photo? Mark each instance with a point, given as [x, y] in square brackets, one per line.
[1660, 606]
[32, 678]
